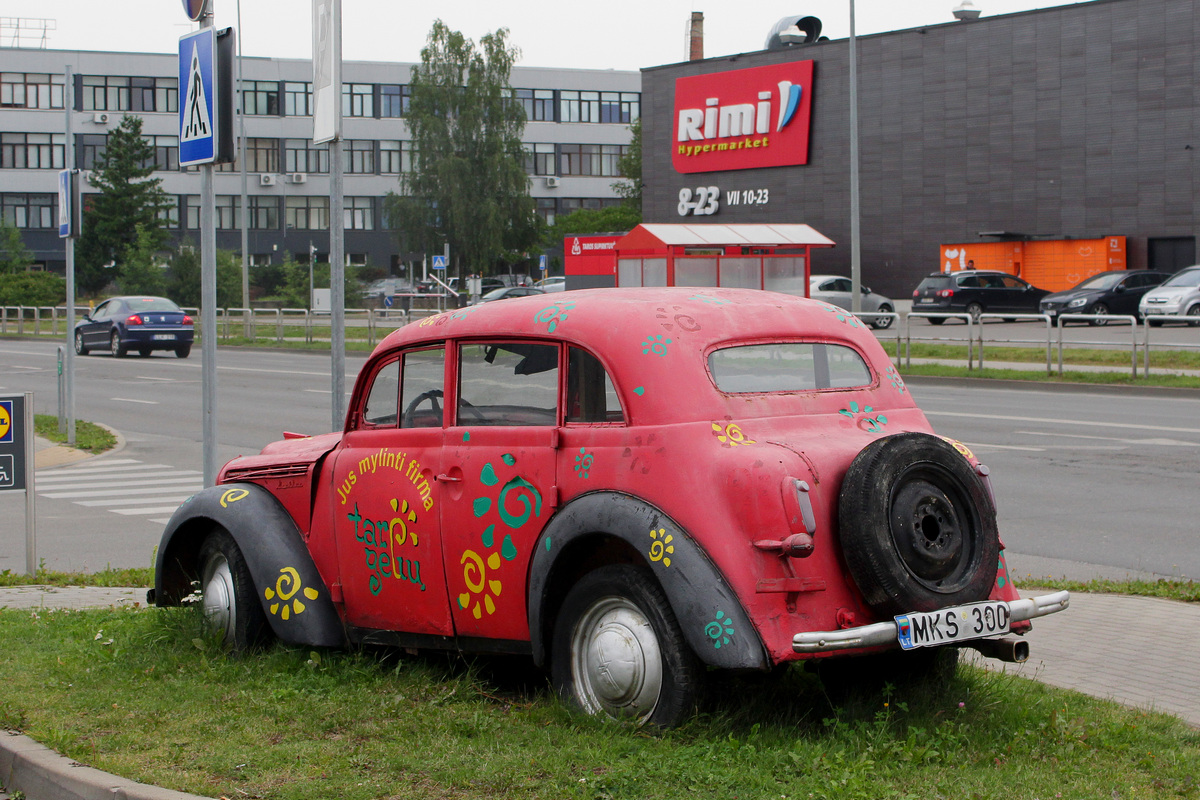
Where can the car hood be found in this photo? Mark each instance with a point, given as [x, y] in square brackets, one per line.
[1071, 294]
[1170, 293]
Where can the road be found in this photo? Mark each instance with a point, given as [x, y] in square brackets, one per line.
[1089, 480]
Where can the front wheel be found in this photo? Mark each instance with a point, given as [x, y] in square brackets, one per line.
[936, 320]
[231, 606]
[618, 650]
[80, 349]
[1194, 311]
[975, 310]
[1102, 310]
[880, 323]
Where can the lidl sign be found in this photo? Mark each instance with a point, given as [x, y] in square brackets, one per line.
[12, 443]
[743, 119]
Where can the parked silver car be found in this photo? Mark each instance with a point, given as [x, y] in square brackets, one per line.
[1177, 296]
[836, 290]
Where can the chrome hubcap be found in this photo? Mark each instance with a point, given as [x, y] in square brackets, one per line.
[219, 595]
[616, 661]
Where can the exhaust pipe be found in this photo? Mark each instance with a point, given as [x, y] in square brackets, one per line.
[1013, 651]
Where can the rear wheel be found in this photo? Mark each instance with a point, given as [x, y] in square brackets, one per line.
[231, 606]
[936, 320]
[115, 347]
[618, 650]
[1101, 310]
[80, 349]
[182, 350]
[880, 323]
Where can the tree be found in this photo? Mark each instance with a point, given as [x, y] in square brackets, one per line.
[613, 219]
[468, 185]
[128, 197]
[183, 278]
[14, 255]
[142, 272]
[630, 167]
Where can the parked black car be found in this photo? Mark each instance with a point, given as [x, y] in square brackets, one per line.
[140, 323]
[1115, 292]
[976, 292]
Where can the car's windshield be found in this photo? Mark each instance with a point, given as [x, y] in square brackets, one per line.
[1189, 277]
[1105, 280]
[787, 367]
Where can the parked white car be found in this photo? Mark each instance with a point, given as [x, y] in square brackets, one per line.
[836, 290]
[1177, 296]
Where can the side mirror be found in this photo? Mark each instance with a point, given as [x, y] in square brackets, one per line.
[865, 289]
[1120, 288]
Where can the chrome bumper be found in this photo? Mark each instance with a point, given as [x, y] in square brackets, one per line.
[884, 633]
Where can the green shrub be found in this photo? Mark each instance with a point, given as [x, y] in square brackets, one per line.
[33, 289]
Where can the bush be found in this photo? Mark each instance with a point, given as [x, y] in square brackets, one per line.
[33, 289]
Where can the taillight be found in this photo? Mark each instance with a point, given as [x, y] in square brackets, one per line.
[946, 293]
[916, 292]
[135, 319]
[187, 320]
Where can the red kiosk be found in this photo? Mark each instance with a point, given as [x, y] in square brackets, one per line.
[772, 257]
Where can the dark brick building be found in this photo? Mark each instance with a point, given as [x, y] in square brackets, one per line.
[1079, 121]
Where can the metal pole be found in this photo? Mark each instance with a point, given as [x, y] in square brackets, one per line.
[69, 147]
[208, 310]
[855, 243]
[241, 112]
[31, 561]
[337, 246]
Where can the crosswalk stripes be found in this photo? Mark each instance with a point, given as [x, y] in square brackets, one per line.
[123, 486]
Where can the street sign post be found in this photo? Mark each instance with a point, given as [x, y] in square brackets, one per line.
[16, 462]
[68, 212]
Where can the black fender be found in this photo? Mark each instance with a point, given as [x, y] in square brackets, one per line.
[294, 597]
[713, 621]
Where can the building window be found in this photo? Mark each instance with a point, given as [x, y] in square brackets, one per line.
[538, 104]
[358, 99]
[301, 155]
[260, 98]
[154, 94]
[32, 150]
[591, 159]
[620, 107]
[264, 212]
[106, 93]
[394, 100]
[395, 157]
[545, 209]
[358, 214]
[539, 159]
[262, 155]
[297, 99]
[579, 107]
[227, 206]
[358, 156]
[29, 210]
[170, 215]
[90, 149]
[308, 213]
[30, 90]
[166, 152]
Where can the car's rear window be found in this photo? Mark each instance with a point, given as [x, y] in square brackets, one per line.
[152, 304]
[936, 282]
[787, 367]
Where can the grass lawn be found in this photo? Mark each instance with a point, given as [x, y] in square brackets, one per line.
[144, 694]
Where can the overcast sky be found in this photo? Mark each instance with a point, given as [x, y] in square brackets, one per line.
[611, 34]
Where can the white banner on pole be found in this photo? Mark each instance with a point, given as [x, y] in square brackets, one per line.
[327, 70]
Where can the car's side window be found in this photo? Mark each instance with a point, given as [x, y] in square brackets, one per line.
[508, 383]
[1013, 283]
[102, 310]
[591, 396]
[422, 387]
[384, 395]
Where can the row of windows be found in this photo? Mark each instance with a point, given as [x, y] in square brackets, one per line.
[294, 98]
[40, 211]
[359, 156]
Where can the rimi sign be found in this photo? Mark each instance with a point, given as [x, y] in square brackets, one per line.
[743, 119]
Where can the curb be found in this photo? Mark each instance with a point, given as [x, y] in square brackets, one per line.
[38, 772]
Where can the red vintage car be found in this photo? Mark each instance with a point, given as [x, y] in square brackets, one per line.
[629, 485]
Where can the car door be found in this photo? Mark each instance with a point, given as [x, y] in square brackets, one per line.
[387, 499]
[95, 331]
[1010, 294]
[836, 291]
[499, 472]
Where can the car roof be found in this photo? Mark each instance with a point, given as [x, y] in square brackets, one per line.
[652, 339]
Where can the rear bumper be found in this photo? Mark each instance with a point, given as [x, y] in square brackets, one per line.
[885, 633]
[144, 338]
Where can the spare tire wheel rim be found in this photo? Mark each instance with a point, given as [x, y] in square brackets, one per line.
[930, 532]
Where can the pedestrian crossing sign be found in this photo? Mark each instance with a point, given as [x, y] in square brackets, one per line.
[439, 262]
[198, 101]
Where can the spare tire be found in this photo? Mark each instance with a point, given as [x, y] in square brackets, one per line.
[917, 526]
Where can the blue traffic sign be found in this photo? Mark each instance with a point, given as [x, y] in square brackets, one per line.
[439, 262]
[64, 204]
[197, 98]
[387, 300]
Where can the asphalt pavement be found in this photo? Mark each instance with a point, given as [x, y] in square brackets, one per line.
[1131, 650]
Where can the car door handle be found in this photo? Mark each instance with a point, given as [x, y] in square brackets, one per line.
[448, 479]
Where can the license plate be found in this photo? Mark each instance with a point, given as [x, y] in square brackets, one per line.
[164, 337]
[954, 624]
[925, 300]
